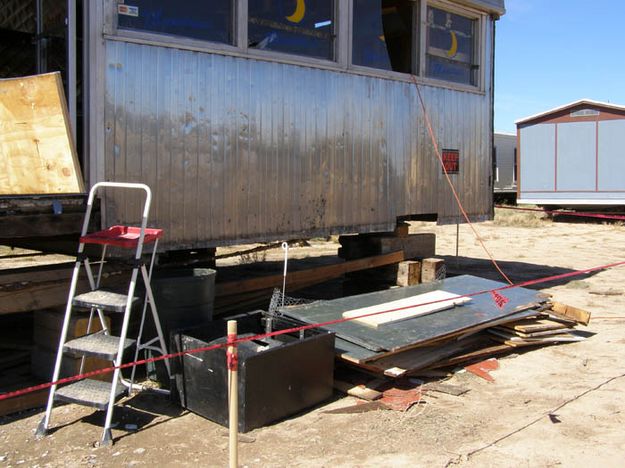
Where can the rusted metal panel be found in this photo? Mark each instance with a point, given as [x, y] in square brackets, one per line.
[238, 149]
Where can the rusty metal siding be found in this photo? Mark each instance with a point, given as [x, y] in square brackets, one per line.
[238, 149]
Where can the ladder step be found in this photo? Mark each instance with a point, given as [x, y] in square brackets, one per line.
[101, 299]
[96, 344]
[89, 392]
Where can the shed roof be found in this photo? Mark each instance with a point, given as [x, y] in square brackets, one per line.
[491, 6]
[579, 103]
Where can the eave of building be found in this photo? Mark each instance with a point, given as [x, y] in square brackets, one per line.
[577, 104]
[494, 7]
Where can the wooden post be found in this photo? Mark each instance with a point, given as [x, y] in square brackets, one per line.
[408, 273]
[233, 393]
[432, 269]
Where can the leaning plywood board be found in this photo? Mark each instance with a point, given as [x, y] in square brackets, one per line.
[37, 154]
[404, 309]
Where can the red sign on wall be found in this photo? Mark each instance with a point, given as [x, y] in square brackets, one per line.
[451, 161]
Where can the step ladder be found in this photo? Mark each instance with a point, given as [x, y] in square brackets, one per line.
[101, 344]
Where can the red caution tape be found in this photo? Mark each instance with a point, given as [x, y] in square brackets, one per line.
[232, 357]
[232, 361]
[547, 279]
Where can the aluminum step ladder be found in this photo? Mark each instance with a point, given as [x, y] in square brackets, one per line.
[101, 344]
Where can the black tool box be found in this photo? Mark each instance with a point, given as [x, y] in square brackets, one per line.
[278, 376]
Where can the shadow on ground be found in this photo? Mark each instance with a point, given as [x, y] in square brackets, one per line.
[518, 272]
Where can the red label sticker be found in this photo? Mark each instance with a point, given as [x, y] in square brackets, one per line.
[499, 299]
[451, 161]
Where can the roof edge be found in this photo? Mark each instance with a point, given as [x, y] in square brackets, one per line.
[496, 7]
[590, 102]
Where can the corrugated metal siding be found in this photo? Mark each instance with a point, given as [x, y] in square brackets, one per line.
[237, 149]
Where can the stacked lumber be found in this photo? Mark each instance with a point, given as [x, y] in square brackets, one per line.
[551, 323]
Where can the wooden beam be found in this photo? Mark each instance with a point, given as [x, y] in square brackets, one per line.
[25, 402]
[40, 225]
[309, 276]
[48, 288]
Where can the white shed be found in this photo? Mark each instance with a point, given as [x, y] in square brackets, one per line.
[573, 156]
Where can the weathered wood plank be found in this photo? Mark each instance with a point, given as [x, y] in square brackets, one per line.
[24, 402]
[573, 313]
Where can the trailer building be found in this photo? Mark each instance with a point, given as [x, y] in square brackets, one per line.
[505, 162]
[573, 156]
[260, 120]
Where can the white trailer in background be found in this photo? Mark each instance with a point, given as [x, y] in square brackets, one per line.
[573, 156]
[505, 162]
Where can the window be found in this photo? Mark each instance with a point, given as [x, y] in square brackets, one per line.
[209, 21]
[514, 166]
[450, 49]
[585, 113]
[383, 34]
[301, 27]
[427, 38]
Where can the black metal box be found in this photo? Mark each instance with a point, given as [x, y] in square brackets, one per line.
[278, 376]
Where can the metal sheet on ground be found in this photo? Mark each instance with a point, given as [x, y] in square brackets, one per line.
[397, 336]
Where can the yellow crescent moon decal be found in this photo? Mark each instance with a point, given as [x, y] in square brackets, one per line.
[298, 14]
[453, 50]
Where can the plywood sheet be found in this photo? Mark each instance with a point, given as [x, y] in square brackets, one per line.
[414, 306]
[360, 343]
[37, 155]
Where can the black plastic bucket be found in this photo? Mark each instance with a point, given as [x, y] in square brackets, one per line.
[184, 298]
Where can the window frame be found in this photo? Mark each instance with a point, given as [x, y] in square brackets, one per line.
[479, 41]
[343, 43]
[415, 48]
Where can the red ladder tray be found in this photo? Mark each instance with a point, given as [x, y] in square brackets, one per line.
[121, 236]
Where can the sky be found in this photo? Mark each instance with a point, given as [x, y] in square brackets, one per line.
[550, 53]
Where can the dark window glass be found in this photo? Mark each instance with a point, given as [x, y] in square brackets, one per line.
[204, 20]
[302, 27]
[383, 32]
[451, 47]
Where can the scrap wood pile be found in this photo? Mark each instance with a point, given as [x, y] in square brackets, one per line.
[551, 323]
[415, 340]
[405, 377]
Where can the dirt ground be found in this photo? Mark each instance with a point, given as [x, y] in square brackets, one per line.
[558, 405]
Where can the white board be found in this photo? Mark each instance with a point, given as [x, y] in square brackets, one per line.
[411, 307]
